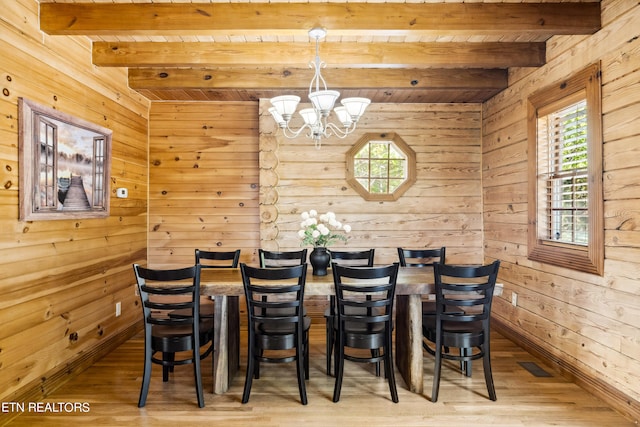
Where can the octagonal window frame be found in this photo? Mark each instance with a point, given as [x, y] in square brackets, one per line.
[401, 147]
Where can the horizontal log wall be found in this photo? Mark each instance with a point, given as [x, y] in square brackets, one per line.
[60, 279]
[587, 324]
[443, 207]
[203, 191]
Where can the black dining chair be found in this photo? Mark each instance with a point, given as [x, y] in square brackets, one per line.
[364, 313]
[469, 288]
[211, 259]
[161, 292]
[275, 307]
[420, 258]
[423, 258]
[363, 258]
[275, 259]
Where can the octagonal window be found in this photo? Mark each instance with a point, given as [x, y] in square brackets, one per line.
[381, 166]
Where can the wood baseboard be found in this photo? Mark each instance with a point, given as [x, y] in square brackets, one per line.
[624, 404]
[40, 388]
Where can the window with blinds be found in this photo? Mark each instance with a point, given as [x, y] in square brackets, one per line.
[565, 194]
[565, 178]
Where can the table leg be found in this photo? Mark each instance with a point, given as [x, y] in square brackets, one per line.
[409, 340]
[226, 354]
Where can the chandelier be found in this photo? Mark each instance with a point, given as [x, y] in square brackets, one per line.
[316, 119]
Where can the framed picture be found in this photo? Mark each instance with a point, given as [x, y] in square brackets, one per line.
[64, 165]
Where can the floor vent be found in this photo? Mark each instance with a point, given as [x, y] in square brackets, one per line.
[534, 369]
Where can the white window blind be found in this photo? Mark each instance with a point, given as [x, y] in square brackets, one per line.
[564, 174]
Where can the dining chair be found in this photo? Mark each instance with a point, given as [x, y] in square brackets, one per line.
[363, 258]
[422, 258]
[469, 288]
[161, 292]
[364, 313]
[274, 259]
[211, 259]
[276, 323]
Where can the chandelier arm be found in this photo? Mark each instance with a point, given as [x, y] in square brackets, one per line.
[291, 133]
[340, 132]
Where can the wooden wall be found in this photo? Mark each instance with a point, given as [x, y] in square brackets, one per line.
[203, 190]
[588, 325]
[206, 179]
[443, 207]
[60, 279]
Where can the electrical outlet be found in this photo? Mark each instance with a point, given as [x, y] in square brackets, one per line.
[118, 309]
[514, 299]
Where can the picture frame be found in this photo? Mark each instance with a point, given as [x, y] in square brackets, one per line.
[64, 165]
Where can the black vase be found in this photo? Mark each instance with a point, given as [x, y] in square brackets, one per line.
[319, 259]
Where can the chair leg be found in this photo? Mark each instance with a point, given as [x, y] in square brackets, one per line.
[329, 341]
[488, 377]
[306, 355]
[256, 366]
[467, 365]
[300, 369]
[167, 357]
[146, 377]
[388, 370]
[338, 368]
[375, 353]
[248, 381]
[198, 378]
[436, 372]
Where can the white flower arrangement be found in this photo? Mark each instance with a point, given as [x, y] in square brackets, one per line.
[321, 230]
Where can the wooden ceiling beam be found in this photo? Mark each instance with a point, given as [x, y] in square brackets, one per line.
[298, 78]
[287, 19]
[338, 55]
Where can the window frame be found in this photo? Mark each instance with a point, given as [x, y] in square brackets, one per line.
[402, 146]
[586, 258]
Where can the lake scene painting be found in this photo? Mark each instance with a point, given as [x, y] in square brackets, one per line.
[69, 165]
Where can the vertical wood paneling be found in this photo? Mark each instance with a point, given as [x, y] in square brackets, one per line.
[59, 280]
[203, 190]
[443, 207]
[588, 324]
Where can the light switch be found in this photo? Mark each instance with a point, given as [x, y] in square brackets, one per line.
[122, 193]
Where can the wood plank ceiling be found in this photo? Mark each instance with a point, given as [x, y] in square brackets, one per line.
[429, 51]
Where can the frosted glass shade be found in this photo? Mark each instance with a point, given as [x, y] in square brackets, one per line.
[343, 116]
[356, 106]
[277, 117]
[324, 100]
[285, 105]
[310, 116]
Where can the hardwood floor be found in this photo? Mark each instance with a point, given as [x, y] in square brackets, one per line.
[110, 389]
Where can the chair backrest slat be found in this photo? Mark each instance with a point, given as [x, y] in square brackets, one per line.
[353, 258]
[421, 257]
[214, 259]
[274, 259]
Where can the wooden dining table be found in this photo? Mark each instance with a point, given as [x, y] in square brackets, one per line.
[224, 286]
